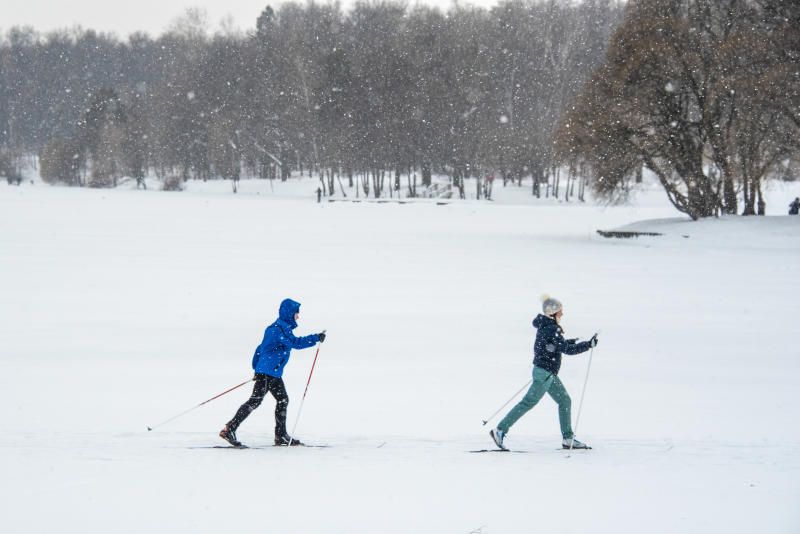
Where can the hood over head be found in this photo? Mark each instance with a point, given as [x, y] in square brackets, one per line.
[288, 310]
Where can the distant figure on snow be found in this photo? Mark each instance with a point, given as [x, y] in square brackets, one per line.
[794, 207]
[269, 360]
[488, 183]
[547, 349]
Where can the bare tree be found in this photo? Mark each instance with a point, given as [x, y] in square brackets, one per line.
[680, 94]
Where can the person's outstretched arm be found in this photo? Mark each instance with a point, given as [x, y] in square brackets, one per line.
[571, 346]
[299, 342]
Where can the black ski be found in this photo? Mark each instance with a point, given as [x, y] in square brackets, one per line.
[307, 446]
[258, 446]
[221, 447]
[495, 450]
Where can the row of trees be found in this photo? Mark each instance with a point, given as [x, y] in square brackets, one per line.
[381, 90]
[703, 93]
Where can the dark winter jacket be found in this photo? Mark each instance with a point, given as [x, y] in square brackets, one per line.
[794, 207]
[550, 343]
[272, 354]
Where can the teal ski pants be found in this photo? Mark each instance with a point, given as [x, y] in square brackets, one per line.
[543, 382]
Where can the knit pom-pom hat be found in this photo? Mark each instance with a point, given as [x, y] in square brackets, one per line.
[550, 306]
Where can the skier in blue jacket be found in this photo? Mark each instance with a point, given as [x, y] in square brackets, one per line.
[548, 348]
[269, 360]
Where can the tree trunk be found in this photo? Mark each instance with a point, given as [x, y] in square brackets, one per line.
[574, 179]
[701, 200]
[749, 198]
[426, 174]
[556, 181]
[412, 185]
[536, 173]
[729, 201]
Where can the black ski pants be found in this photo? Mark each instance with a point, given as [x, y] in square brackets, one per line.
[264, 384]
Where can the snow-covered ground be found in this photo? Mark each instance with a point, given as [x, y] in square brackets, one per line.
[121, 308]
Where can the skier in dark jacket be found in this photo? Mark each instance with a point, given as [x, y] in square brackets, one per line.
[794, 207]
[269, 360]
[548, 348]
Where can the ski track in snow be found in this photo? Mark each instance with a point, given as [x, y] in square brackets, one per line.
[119, 309]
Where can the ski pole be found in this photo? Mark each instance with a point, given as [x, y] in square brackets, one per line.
[506, 404]
[202, 403]
[303, 400]
[580, 404]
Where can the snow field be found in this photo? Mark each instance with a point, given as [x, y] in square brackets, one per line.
[122, 308]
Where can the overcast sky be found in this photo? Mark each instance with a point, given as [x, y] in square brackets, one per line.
[151, 16]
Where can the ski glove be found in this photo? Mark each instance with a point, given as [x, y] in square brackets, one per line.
[321, 336]
[593, 341]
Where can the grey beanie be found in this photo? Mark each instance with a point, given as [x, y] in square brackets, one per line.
[550, 306]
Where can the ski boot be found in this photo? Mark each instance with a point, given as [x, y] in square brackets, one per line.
[283, 441]
[230, 436]
[498, 436]
[572, 443]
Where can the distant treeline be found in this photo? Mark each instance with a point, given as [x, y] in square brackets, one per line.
[380, 90]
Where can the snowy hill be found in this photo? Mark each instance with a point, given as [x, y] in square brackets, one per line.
[121, 308]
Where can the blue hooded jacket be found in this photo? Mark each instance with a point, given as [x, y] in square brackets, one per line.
[272, 354]
[550, 344]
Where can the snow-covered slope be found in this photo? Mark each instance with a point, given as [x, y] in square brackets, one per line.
[121, 308]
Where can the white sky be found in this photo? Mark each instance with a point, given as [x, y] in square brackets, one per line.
[151, 16]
